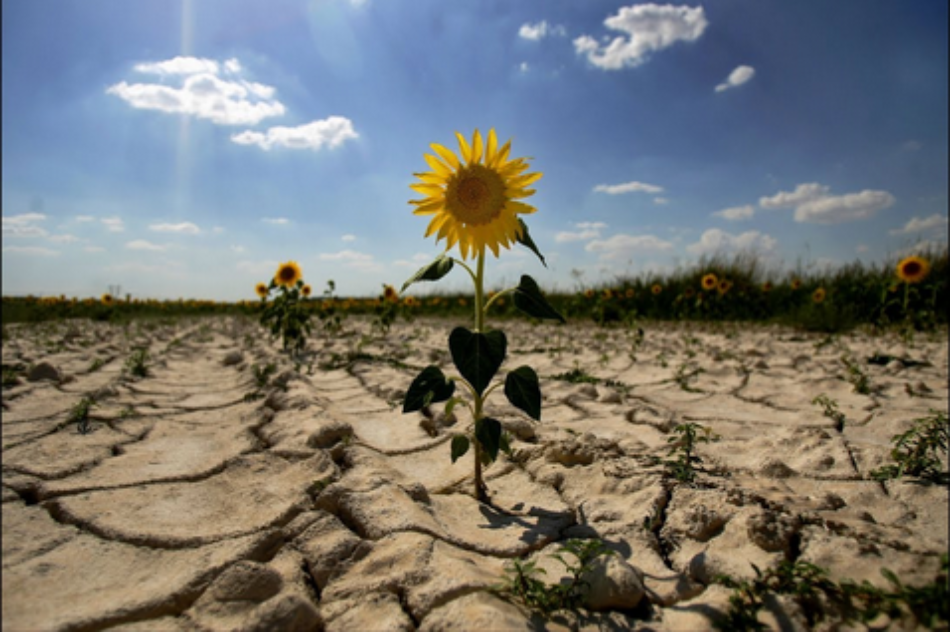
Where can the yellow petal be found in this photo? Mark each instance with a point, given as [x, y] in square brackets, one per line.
[520, 207]
[492, 148]
[503, 154]
[517, 194]
[426, 189]
[524, 180]
[430, 207]
[437, 165]
[476, 147]
[446, 154]
[466, 150]
[430, 178]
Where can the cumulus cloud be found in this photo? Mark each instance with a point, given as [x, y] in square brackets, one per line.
[645, 29]
[736, 213]
[113, 224]
[835, 209]
[620, 247]
[37, 251]
[331, 132]
[352, 259]
[922, 247]
[94, 249]
[628, 187]
[202, 93]
[418, 260]
[715, 240]
[585, 231]
[661, 200]
[24, 225]
[186, 228]
[85, 218]
[917, 225]
[348, 238]
[279, 221]
[790, 199]
[63, 239]
[142, 244]
[736, 78]
[535, 32]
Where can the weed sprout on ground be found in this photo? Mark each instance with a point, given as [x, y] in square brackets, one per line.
[920, 451]
[475, 205]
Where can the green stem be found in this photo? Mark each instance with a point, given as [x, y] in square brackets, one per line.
[481, 493]
[498, 296]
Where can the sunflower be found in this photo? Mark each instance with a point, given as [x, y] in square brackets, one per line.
[588, 294]
[818, 296]
[657, 288]
[688, 292]
[710, 281]
[410, 301]
[796, 284]
[106, 299]
[913, 269]
[474, 204]
[390, 294]
[608, 294]
[724, 286]
[306, 290]
[630, 293]
[261, 289]
[288, 274]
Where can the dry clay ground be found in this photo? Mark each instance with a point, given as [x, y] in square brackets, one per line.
[319, 505]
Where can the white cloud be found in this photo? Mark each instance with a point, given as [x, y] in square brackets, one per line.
[93, 249]
[332, 132]
[645, 28]
[628, 187]
[622, 246]
[238, 249]
[736, 78]
[183, 227]
[23, 225]
[179, 66]
[916, 225]
[524, 67]
[85, 218]
[348, 238]
[736, 212]
[142, 244]
[31, 250]
[113, 224]
[535, 32]
[63, 239]
[352, 259]
[802, 193]
[279, 221]
[418, 260]
[921, 247]
[202, 92]
[715, 240]
[586, 230]
[661, 200]
[835, 209]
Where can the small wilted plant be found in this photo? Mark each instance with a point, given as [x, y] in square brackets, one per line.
[261, 378]
[522, 579]
[137, 363]
[920, 451]
[858, 378]
[831, 410]
[475, 205]
[683, 445]
[79, 415]
[286, 316]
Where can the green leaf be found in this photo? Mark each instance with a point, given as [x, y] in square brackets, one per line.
[441, 266]
[523, 391]
[525, 240]
[459, 446]
[428, 387]
[528, 298]
[488, 433]
[477, 356]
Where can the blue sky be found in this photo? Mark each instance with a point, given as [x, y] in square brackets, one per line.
[185, 149]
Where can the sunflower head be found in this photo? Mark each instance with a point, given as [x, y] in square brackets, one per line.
[390, 294]
[106, 299]
[474, 201]
[306, 290]
[261, 290]
[288, 274]
[410, 301]
[629, 293]
[588, 294]
[913, 269]
[710, 281]
[724, 286]
[796, 284]
[608, 294]
[656, 289]
[818, 296]
[688, 292]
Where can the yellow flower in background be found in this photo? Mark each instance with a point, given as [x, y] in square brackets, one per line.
[818, 296]
[390, 294]
[710, 281]
[656, 289]
[474, 204]
[261, 289]
[629, 293]
[306, 290]
[409, 301]
[106, 299]
[608, 294]
[767, 286]
[796, 284]
[724, 286]
[589, 293]
[688, 292]
[913, 269]
[288, 274]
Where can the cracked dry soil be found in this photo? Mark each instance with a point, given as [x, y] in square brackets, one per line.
[315, 504]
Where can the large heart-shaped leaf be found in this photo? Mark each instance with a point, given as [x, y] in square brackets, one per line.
[488, 433]
[525, 240]
[428, 387]
[523, 391]
[477, 356]
[441, 266]
[528, 298]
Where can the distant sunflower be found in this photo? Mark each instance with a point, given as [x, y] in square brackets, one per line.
[630, 293]
[913, 269]
[288, 274]
[607, 294]
[306, 290]
[475, 204]
[261, 289]
[710, 281]
[688, 292]
[818, 296]
[390, 294]
[767, 287]
[410, 301]
[106, 299]
[656, 289]
[588, 293]
[796, 284]
[724, 286]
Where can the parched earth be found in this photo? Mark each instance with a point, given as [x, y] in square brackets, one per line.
[212, 495]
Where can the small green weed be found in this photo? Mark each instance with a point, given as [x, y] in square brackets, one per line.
[920, 451]
[576, 375]
[858, 378]
[831, 410]
[688, 435]
[137, 363]
[96, 364]
[80, 415]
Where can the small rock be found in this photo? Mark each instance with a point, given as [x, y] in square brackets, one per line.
[521, 428]
[773, 468]
[44, 371]
[611, 397]
[247, 581]
[771, 532]
[232, 358]
[330, 434]
[831, 501]
[613, 584]
[291, 613]
[587, 391]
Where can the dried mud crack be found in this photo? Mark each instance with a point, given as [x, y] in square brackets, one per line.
[212, 495]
